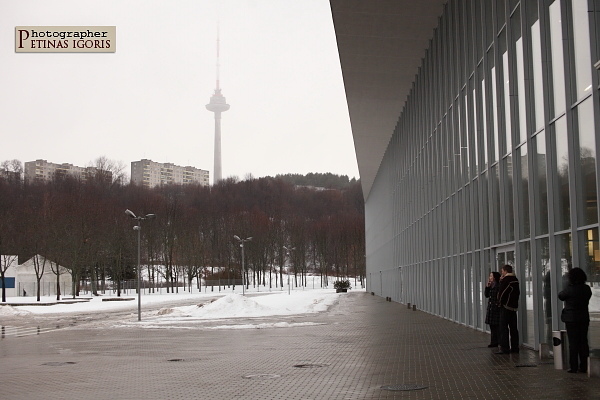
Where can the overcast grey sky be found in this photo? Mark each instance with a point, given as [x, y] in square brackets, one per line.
[280, 73]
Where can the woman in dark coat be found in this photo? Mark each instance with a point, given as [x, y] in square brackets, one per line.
[576, 317]
[492, 317]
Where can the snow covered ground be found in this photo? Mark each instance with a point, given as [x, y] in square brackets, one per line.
[184, 310]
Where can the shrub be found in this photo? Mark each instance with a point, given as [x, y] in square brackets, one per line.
[341, 284]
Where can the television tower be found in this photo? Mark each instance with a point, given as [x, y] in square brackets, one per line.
[217, 104]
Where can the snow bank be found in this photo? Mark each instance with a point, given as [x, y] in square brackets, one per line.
[238, 306]
[10, 311]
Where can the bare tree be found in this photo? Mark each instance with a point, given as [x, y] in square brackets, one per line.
[6, 261]
[12, 170]
[80, 224]
[39, 266]
[10, 212]
[109, 172]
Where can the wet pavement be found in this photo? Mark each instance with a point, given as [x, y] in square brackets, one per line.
[363, 348]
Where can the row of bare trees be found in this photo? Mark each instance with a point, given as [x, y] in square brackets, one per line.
[81, 225]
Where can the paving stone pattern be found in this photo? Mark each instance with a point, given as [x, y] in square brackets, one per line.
[362, 345]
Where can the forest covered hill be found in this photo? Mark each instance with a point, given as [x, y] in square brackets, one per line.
[321, 180]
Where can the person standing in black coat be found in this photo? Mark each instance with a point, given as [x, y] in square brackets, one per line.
[576, 317]
[508, 302]
[492, 316]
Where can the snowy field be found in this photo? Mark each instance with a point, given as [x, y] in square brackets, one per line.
[200, 310]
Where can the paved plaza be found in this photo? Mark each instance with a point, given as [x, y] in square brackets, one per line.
[363, 348]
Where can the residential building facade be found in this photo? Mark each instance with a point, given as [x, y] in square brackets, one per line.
[42, 170]
[150, 174]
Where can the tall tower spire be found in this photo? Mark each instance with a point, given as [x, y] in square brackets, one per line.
[217, 104]
[218, 58]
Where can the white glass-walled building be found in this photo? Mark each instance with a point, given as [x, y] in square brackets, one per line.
[493, 161]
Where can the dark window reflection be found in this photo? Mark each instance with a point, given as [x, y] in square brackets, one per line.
[546, 274]
[542, 189]
[563, 205]
[524, 183]
[588, 213]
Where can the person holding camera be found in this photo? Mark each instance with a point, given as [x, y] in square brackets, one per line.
[492, 316]
[508, 301]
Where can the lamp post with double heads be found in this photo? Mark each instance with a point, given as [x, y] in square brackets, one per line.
[242, 241]
[287, 252]
[138, 228]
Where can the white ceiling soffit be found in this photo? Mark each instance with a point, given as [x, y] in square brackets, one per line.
[381, 44]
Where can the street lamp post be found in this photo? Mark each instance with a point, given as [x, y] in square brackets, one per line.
[138, 228]
[287, 251]
[242, 241]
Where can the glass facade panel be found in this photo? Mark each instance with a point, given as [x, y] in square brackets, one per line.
[558, 68]
[523, 178]
[500, 13]
[468, 241]
[586, 168]
[564, 257]
[508, 209]
[505, 257]
[446, 160]
[478, 283]
[527, 286]
[469, 32]
[501, 261]
[521, 91]
[484, 132]
[478, 28]
[538, 76]
[484, 214]
[488, 23]
[470, 290]
[541, 184]
[561, 152]
[590, 263]
[474, 210]
[520, 127]
[545, 271]
[495, 204]
[462, 289]
[488, 265]
[476, 135]
[581, 48]
[495, 133]
[564, 252]
[465, 149]
[507, 146]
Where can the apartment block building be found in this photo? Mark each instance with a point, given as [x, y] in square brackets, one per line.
[45, 171]
[150, 174]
